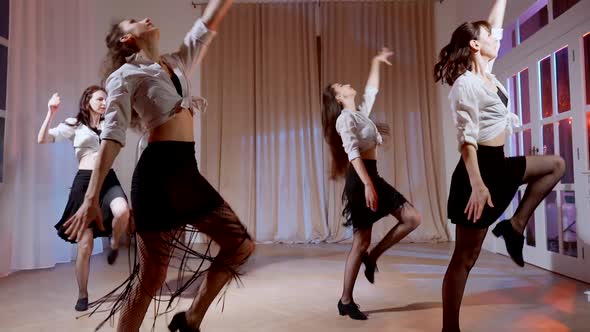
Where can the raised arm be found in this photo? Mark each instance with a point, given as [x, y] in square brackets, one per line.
[195, 43]
[382, 57]
[214, 13]
[496, 18]
[43, 136]
[372, 86]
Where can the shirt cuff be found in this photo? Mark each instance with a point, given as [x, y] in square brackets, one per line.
[353, 154]
[498, 33]
[113, 134]
[200, 32]
[464, 139]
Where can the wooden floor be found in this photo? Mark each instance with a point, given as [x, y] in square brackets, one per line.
[296, 288]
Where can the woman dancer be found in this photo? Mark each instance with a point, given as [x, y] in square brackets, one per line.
[170, 197]
[485, 181]
[353, 140]
[84, 131]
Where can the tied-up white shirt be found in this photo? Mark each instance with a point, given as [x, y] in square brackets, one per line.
[358, 132]
[479, 113]
[84, 139]
[144, 86]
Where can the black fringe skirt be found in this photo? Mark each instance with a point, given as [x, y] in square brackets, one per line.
[111, 189]
[172, 202]
[355, 209]
[502, 176]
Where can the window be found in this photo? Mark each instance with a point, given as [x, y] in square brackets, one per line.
[588, 130]
[587, 82]
[533, 20]
[4, 27]
[509, 40]
[3, 76]
[587, 64]
[2, 149]
[566, 149]
[525, 99]
[561, 6]
[568, 220]
[548, 139]
[4, 10]
[552, 222]
[546, 87]
[563, 80]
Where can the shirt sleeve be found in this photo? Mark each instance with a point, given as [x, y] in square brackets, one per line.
[64, 131]
[368, 99]
[195, 43]
[119, 110]
[346, 128]
[465, 107]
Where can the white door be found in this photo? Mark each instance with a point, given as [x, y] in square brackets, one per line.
[550, 90]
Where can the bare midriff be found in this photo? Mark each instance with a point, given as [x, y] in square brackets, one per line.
[496, 141]
[178, 128]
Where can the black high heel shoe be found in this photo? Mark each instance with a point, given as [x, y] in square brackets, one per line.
[514, 241]
[370, 268]
[179, 323]
[112, 256]
[351, 310]
[82, 304]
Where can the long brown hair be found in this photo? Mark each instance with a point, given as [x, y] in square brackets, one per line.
[116, 57]
[455, 58]
[117, 52]
[330, 112]
[83, 115]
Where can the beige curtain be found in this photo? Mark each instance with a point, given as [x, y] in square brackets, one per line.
[261, 136]
[228, 126]
[262, 144]
[412, 161]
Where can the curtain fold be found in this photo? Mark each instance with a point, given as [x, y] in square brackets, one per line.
[261, 133]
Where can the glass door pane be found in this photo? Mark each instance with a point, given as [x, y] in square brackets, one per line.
[566, 149]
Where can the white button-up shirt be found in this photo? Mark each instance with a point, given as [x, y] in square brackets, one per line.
[357, 131]
[84, 139]
[145, 87]
[479, 113]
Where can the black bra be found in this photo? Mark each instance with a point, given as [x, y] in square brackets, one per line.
[503, 97]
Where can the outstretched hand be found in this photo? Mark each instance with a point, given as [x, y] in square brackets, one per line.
[54, 102]
[384, 55]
